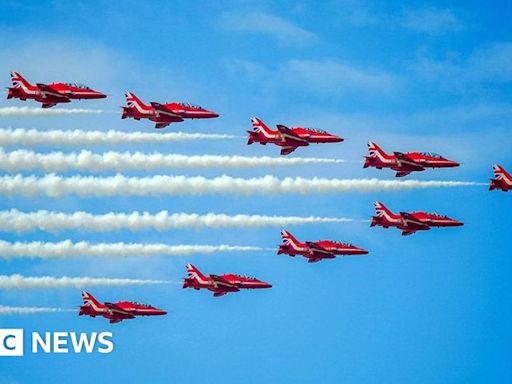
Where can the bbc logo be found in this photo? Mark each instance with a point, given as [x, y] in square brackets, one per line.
[11, 342]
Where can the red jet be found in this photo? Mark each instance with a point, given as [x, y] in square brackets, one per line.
[502, 180]
[220, 284]
[288, 139]
[163, 114]
[49, 94]
[409, 223]
[116, 312]
[318, 250]
[405, 163]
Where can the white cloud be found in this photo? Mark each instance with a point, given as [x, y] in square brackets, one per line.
[257, 22]
[337, 76]
[252, 70]
[490, 63]
[430, 20]
[356, 12]
[50, 59]
[323, 77]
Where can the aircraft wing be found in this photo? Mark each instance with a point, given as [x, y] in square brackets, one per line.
[287, 150]
[413, 222]
[407, 162]
[166, 113]
[223, 284]
[162, 125]
[118, 311]
[291, 137]
[318, 252]
[51, 93]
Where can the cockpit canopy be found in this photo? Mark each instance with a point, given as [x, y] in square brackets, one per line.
[190, 105]
[431, 154]
[246, 277]
[343, 244]
[316, 130]
[77, 85]
[140, 304]
[437, 215]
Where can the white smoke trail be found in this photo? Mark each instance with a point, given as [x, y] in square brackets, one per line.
[25, 282]
[5, 310]
[66, 249]
[87, 161]
[22, 222]
[76, 138]
[28, 111]
[57, 186]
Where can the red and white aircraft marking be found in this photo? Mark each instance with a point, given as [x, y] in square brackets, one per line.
[502, 180]
[116, 312]
[288, 138]
[163, 114]
[49, 94]
[221, 284]
[409, 223]
[317, 250]
[405, 163]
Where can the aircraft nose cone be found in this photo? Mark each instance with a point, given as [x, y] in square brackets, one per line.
[454, 163]
[455, 223]
[362, 251]
[266, 285]
[336, 139]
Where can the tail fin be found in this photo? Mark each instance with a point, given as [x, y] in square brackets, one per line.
[383, 216]
[500, 173]
[259, 126]
[90, 300]
[288, 237]
[375, 151]
[19, 81]
[133, 101]
[501, 177]
[382, 210]
[194, 273]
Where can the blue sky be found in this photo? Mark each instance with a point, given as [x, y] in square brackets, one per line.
[433, 307]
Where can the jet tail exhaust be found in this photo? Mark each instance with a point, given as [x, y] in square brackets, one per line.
[252, 137]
